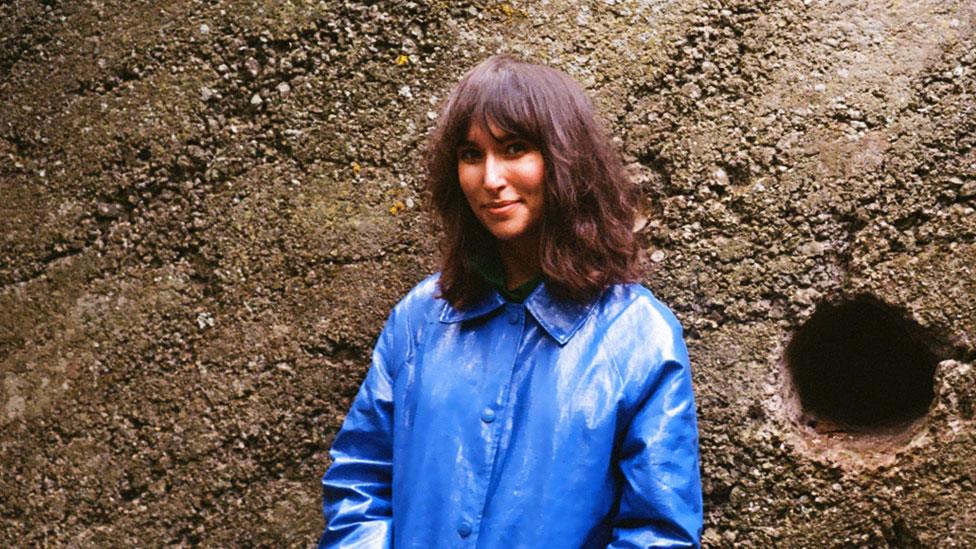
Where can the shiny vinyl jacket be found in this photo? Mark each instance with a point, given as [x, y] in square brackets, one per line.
[542, 424]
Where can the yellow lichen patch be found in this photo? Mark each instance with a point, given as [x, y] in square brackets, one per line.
[507, 10]
[402, 60]
[396, 207]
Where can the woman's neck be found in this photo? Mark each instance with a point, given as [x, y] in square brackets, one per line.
[520, 259]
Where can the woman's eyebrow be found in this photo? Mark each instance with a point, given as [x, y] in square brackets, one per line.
[503, 136]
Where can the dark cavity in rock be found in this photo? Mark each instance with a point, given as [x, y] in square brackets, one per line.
[858, 366]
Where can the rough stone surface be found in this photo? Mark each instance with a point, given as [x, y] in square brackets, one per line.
[207, 208]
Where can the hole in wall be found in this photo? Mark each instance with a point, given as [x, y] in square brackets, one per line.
[859, 366]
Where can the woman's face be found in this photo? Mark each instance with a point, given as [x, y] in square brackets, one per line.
[502, 177]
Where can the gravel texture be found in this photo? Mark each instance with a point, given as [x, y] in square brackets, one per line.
[207, 209]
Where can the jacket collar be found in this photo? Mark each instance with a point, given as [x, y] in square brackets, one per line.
[558, 317]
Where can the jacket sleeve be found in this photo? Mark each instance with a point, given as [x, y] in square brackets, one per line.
[357, 488]
[661, 502]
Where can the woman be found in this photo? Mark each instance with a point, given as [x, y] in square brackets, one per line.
[530, 395]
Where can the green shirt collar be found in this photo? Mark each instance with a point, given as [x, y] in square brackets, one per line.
[489, 266]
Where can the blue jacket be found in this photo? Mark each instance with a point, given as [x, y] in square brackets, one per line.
[504, 425]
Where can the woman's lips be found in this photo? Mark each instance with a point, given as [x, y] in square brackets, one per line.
[502, 207]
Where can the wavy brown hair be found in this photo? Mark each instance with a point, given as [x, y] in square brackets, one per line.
[587, 241]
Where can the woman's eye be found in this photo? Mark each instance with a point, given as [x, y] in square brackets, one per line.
[516, 148]
[469, 155]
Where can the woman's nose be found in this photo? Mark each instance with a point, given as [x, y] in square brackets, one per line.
[494, 172]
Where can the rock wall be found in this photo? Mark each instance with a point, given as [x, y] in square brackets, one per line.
[209, 207]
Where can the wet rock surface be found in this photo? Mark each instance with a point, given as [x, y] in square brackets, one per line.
[208, 208]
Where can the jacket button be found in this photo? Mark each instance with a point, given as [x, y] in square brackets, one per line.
[464, 529]
[513, 317]
[488, 415]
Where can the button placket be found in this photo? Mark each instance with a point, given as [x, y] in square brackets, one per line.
[514, 316]
[492, 410]
[487, 415]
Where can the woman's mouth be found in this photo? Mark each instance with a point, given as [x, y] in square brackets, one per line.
[501, 207]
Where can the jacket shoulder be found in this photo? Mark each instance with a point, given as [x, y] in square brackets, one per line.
[637, 306]
[414, 308]
[642, 331]
[421, 297]
[405, 324]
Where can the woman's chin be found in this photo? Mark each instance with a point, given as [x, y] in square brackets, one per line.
[510, 234]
